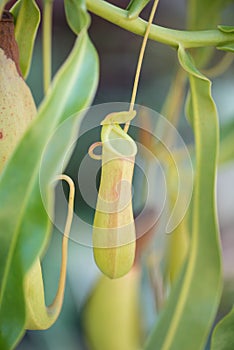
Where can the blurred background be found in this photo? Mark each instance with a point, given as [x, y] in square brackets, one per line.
[118, 52]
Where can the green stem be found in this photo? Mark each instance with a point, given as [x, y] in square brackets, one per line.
[140, 60]
[171, 37]
[47, 40]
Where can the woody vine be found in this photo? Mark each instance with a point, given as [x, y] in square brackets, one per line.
[193, 273]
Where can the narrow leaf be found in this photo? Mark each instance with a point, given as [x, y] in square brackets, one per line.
[227, 47]
[76, 14]
[190, 310]
[23, 219]
[27, 19]
[223, 335]
[226, 29]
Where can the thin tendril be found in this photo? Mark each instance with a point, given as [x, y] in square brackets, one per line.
[58, 300]
[140, 60]
[92, 148]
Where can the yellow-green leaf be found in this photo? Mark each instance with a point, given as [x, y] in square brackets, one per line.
[23, 219]
[226, 29]
[189, 313]
[27, 19]
[77, 16]
[223, 334]
[227, 47]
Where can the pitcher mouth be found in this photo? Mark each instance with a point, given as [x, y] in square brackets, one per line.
[118, 141]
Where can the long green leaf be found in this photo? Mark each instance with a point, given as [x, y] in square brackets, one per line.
[223, 335]
[27, 19]
[76, 14]
[23, 219]
[226, 148]
[189, 313]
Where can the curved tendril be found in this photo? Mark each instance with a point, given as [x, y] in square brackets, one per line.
[92, 148]
[58, 300]
[40, 316]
